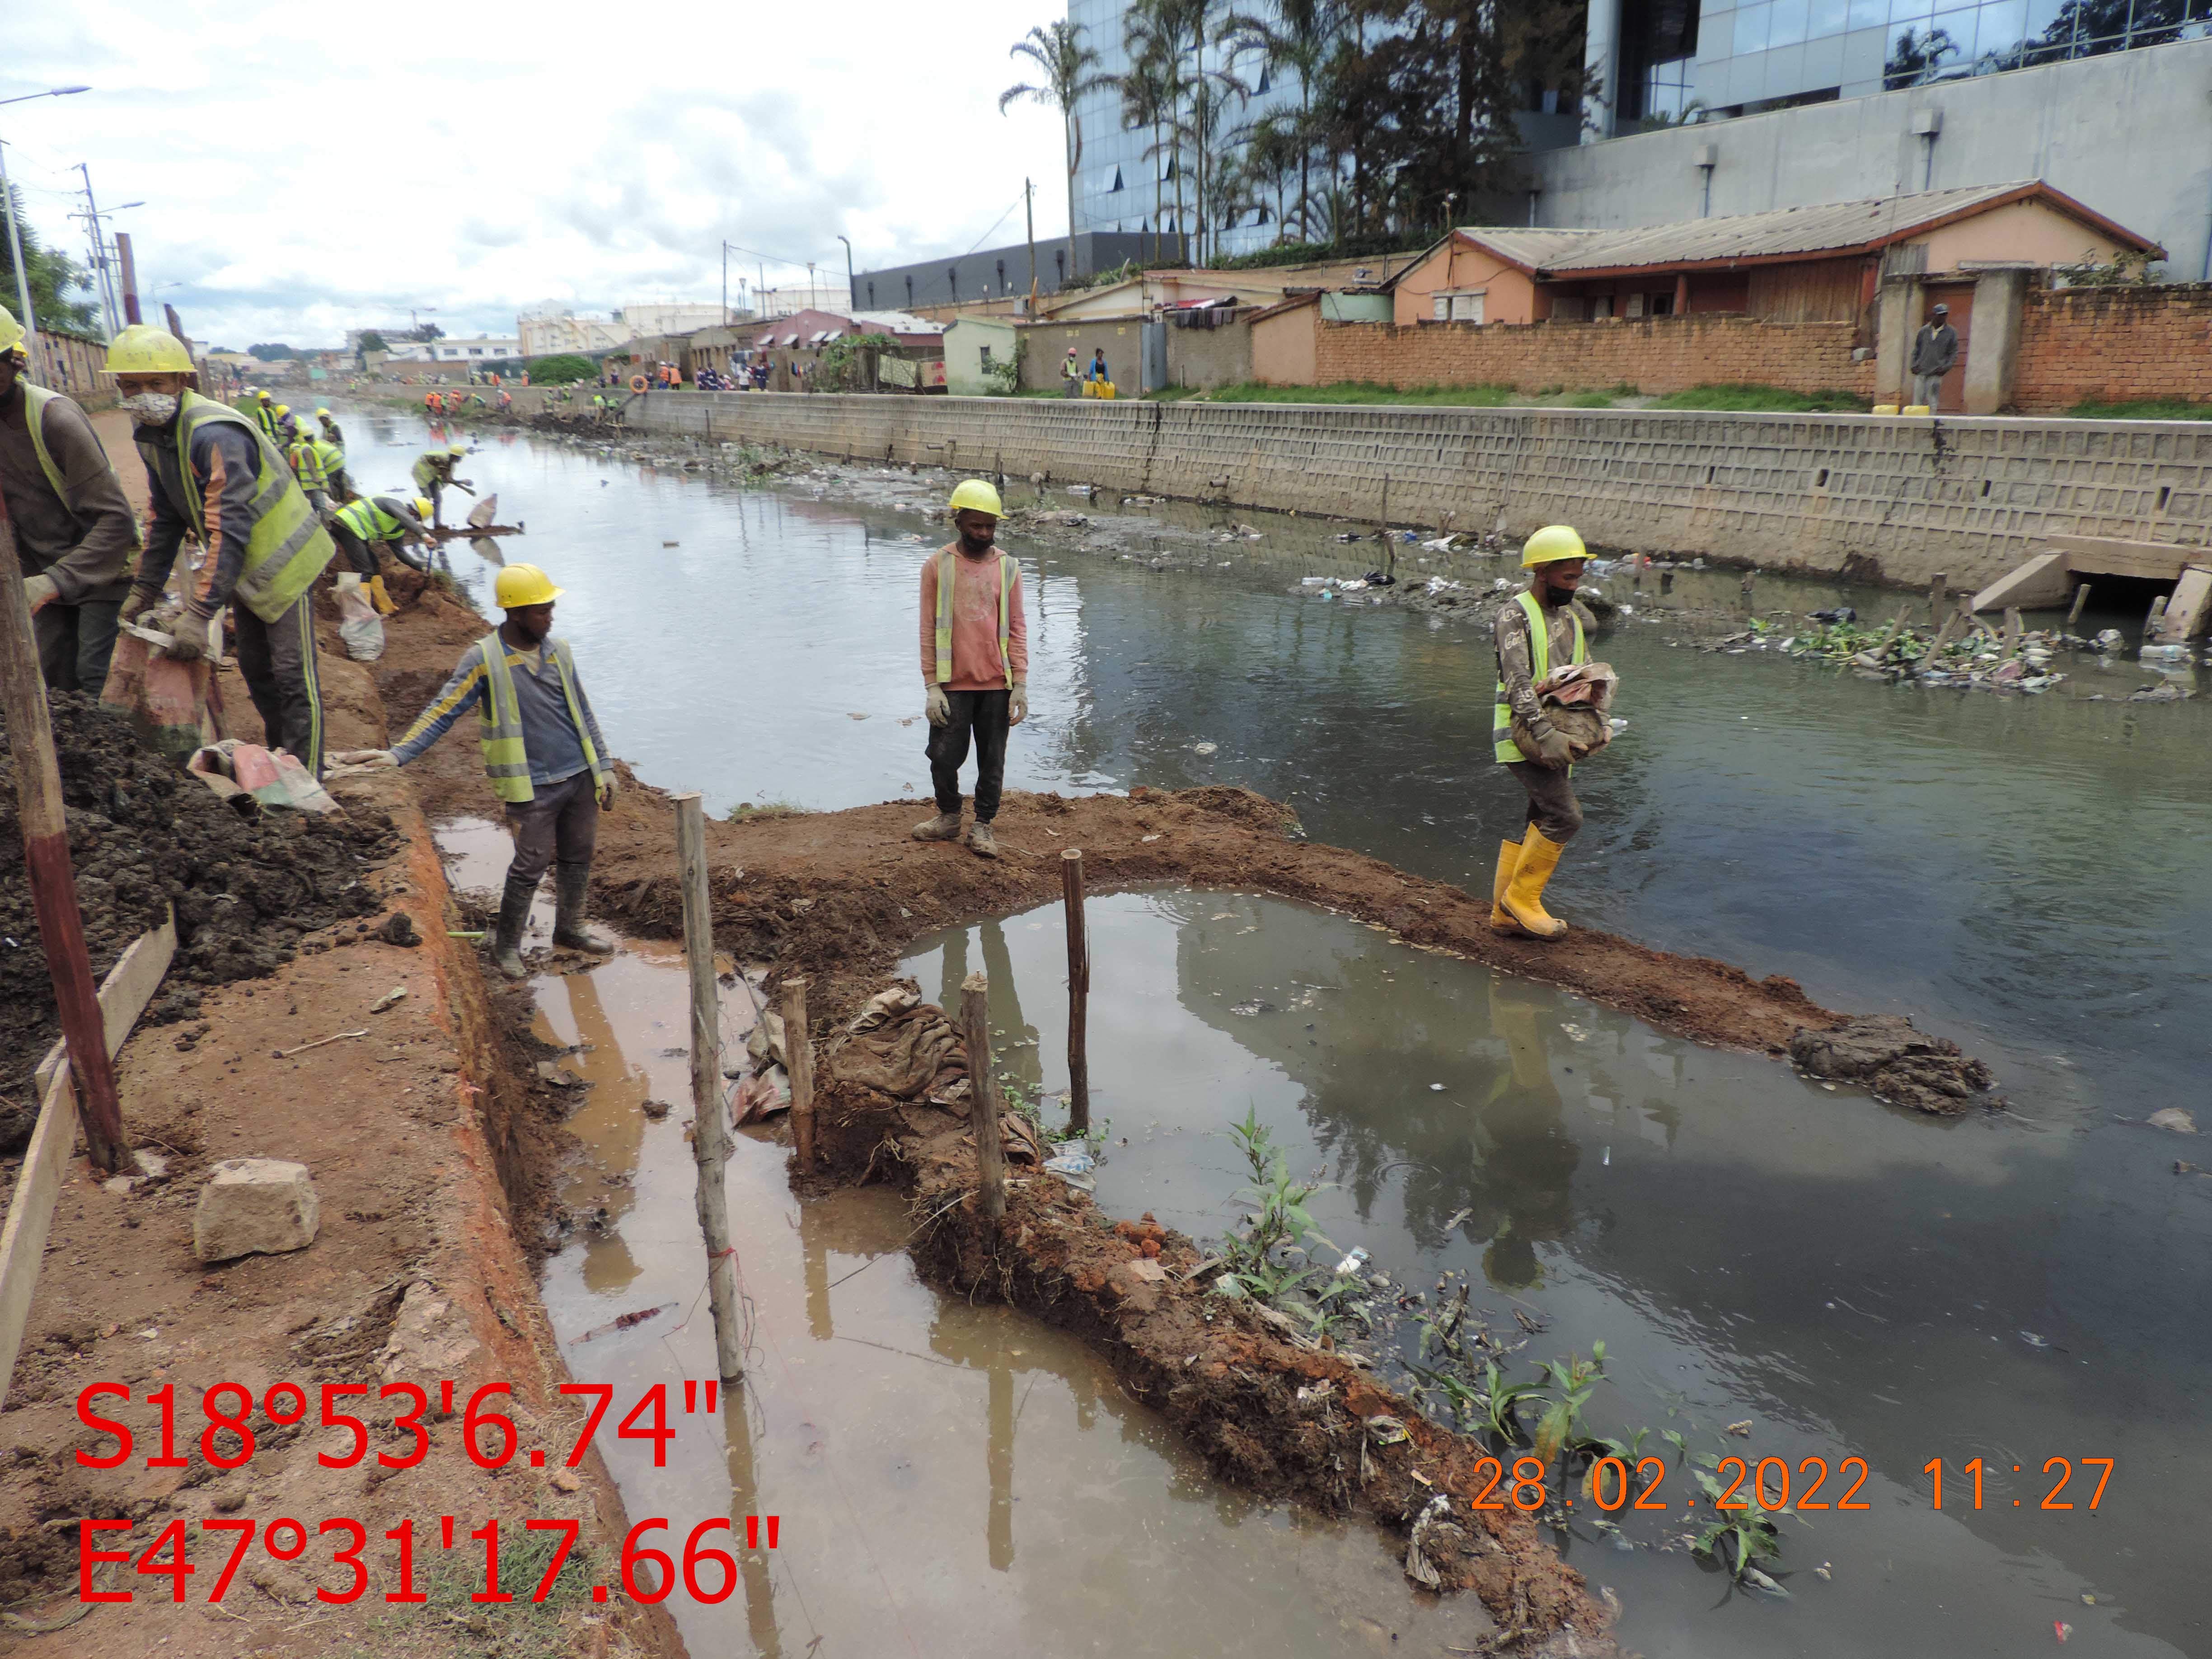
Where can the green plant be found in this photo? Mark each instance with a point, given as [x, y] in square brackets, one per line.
[1275, 1227]
[1739, 1538]
[1004, 378]
[2143, 409]
[837, 366]
[1589, 400]
[1369, 392]
[1574, 1377]
[565, 369]
[2126, 269]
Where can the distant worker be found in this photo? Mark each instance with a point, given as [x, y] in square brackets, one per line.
[304, 450]
[1098, 364]
[331, 428]
[74, 530]
[433, 471]
[214, 474]
[1070, 373]
[362, 528]
[543, 751]
[506, 400]
[1538, 629]
[433, 402]
[1935, 352]
[974, 664]
[264, 413]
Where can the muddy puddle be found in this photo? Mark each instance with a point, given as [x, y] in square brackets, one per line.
[2029, 875]
[947, 1477]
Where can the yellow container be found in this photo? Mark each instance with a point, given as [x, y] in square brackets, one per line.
[1918, 409]
[1885, 408]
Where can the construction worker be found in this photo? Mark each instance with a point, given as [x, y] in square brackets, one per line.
[974, 664]
[213, 472]
[543, 751]
[75, 532]
[364, 525]
[433, 471]
[435, 403]
[1538, 629]
[304, 451]
[264, 412]
[332, 430]
[1071, 375]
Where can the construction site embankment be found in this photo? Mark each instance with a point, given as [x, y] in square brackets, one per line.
[1872, 498]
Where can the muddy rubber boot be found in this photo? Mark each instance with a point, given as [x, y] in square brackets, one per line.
[571, 886]
[946, 826]
[982, 842]
[506, 937]
[1524, 894]
[1508, 859]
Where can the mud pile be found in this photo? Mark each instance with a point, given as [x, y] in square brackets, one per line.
[144, 836]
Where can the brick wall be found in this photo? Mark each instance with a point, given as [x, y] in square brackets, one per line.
[2113, 345]
[1653, 354]
[1876, 496]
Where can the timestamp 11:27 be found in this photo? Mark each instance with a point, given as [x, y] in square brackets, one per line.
[2063, 1467]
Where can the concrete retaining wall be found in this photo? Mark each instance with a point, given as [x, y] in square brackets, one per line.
[1874, 497]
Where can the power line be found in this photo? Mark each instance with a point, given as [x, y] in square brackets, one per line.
[996, 223]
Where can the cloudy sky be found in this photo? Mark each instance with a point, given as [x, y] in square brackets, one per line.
[305, 168]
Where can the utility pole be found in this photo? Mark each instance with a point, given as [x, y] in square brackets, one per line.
[91, 217]
[129, 268]
[27, 316]
[1029, 218]
[851, 299]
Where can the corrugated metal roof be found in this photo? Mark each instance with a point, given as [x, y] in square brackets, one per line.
[1786, 231]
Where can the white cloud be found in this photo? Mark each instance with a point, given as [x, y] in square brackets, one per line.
[305, 169]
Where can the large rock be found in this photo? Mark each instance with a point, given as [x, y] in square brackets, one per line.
[1898, 1062]
[255, 1205]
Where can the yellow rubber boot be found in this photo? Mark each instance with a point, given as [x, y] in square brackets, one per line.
[1524, 896]
[1508, 859]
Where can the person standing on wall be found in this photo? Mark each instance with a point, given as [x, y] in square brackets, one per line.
[75, 532]
[217, 474]
[1935, 352]
[1538, 629]
[542, 752]
[974, 664]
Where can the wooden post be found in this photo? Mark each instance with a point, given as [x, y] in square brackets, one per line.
[1750, 591]
[1938, 585]
[2014, 630]
[983, 1092]
[1962, 618]
[46, 863]
[2081, 599]
[710, 1132]
[799, 1061]
[1079, 993]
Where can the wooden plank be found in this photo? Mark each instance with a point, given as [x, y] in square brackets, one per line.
[123, 994]
[709, 1133]
[984, 1094]
[2100, 556]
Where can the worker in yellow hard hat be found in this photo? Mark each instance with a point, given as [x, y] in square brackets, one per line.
[1537, 630]
[542, 750]
[433, 471]
[974, 664]
[368, 525]
[332, 430]
[263, 412]
[74, 530]
[215, 473]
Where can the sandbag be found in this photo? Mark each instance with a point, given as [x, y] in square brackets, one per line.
[175, 707]
[359, 626]
[270, 778]
[1577, 700]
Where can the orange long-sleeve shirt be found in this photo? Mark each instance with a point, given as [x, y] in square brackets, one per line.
[976, 665]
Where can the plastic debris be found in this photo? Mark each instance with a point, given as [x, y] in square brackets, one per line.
[1354, 1262]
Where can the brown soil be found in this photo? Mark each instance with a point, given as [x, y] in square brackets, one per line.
[415, 1274]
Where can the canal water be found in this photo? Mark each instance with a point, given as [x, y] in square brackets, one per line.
[2028, 875]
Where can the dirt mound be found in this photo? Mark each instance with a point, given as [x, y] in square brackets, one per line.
[1896, 1060]
[144, 836]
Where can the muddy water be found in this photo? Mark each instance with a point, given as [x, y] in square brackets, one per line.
[2027, 874]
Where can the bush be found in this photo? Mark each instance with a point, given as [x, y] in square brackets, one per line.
[565, 370]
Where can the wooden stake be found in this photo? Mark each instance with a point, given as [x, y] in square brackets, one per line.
[799, 1061]
[2014, 630]
[1938, 585]
[983, 1092]
[2081, 599]
[47, 863]
[710, 1133]
[1079, 993]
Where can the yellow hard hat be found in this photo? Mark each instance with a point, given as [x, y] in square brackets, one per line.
[11, 332]
[322, 414]
[283, 409]
[457, 449]
[143, 349]
[424, 507]
[976, 495]
[259, 393]
[1553, 543]
[520, 585]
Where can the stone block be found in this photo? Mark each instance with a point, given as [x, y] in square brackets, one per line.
[255, 1207]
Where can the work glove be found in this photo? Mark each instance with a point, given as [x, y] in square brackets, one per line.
[188, 639]
[135, 601]
[1553, 750]
[40, 590]
[365, 760]
[606, 793]
[1017, 705]
[379, 597]
[941, 707]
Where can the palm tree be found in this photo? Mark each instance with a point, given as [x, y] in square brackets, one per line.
[1148, 94]
[1069, 68]
[1297, 40]
[1152, 36]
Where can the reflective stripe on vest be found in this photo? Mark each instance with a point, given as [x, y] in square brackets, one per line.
[944, 569]
[286, 547]
[1540, 666]
[370, 521]
[306, 464]
[36, 398]
[506, 761]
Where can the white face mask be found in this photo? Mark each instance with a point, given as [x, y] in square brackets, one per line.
[152, 408]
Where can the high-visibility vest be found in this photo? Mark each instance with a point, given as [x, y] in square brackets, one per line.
[431, 469]
[367, 519]
[332, 457]
[507, 762]
[1540, 662]
[306, 464]
[944, 569]
[265, 416]
[34, 417]
[286, 547]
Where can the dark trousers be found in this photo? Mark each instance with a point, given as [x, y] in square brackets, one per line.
[277, 660]
[561, 821]
[984, 713]
[1553, 807]
[74, 643]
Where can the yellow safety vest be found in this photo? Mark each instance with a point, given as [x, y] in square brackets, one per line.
[34, 416]
[369, 521]
[507, 762]
[306, 464]
[945, 568]
[1540, 663]
[287, 547]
